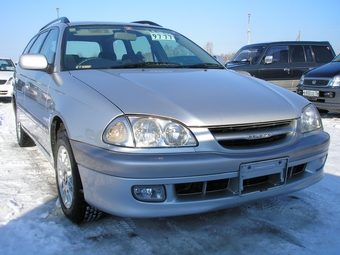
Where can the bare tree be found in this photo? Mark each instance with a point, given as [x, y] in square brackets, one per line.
[228, 56]
[209, 48]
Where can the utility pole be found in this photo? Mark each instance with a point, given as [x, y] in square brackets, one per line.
[58, 12]
[248, 28]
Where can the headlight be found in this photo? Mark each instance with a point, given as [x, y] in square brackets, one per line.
[148, 132]
[9, 81]
[335, 82]
[310, 119]
[302, 79]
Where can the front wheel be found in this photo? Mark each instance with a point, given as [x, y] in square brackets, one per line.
[70, 188]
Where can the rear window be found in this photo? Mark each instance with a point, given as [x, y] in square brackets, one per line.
[322, 54]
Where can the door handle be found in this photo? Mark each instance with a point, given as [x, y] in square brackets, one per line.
[287, 70]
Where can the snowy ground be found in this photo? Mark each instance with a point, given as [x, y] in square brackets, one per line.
[31, 221]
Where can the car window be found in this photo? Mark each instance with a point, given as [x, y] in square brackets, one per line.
[322, 54]
[29, 45]
[84, 49]
[49, 47]
[279, 53]
[142, 47]
[98, 47]
[6, 65]
[38, 43]
[248, 53]
[297, 54]
[309, 56]
[119, 49]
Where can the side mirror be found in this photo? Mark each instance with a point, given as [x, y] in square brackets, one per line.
[33, 62]
[268, 60]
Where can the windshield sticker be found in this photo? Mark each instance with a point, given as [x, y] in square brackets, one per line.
[161, 36]
[128, 28]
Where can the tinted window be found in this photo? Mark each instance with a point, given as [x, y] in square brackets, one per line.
[38, 43]
[248, 53]
[297, 54]
[279, 53]
[322, 53]
[309, 56]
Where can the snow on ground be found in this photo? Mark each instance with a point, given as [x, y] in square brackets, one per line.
[31, 220]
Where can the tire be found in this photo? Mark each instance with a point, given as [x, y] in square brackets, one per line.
[23, 139]
[70, 188]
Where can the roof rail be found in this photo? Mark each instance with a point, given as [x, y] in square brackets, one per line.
[147, 22]
[58, 20]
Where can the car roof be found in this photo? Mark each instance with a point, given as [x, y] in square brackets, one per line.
[65, 20]
[289, 42]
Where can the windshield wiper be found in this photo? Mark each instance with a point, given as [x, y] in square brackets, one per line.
[204, 65]
[147, 64]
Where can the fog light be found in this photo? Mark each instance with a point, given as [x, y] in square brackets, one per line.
[321, 162]
[329, 94]
[149, 193]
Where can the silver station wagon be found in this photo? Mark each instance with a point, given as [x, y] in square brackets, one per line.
[139, 121]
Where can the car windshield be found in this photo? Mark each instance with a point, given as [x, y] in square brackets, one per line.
[6, 65]
[248, 53]
[115, 47]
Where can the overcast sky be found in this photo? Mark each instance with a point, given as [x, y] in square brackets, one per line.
[224, 23]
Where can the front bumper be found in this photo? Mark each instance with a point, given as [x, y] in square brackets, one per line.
[6, 90]
[219, 179]
[324, 101]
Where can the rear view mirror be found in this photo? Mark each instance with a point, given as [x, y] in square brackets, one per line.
[125, 36]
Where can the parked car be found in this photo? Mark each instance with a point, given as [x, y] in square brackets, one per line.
[139, 121]
[6, 75]
[281, 63]
[322, 86]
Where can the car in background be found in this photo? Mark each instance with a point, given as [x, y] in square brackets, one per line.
[281, 63]
[139, 121]
[6, 75]
[321, 86]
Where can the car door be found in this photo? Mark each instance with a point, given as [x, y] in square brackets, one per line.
[301, 60]
[37, 100]
[274, 67]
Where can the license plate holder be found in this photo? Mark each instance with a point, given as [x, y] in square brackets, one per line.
[263, 175]
[311, 93]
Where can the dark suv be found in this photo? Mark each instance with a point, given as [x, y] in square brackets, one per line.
[281, 63]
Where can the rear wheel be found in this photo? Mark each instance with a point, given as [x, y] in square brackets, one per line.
[69, 184]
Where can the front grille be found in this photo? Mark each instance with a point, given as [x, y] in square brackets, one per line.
[232, 187]
[253, 135]
[316, 82]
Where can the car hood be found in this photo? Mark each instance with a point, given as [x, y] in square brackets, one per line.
[6, 74]
[328, 70]
[194, 97]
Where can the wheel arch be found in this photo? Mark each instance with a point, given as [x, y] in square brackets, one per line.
[57, 127]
